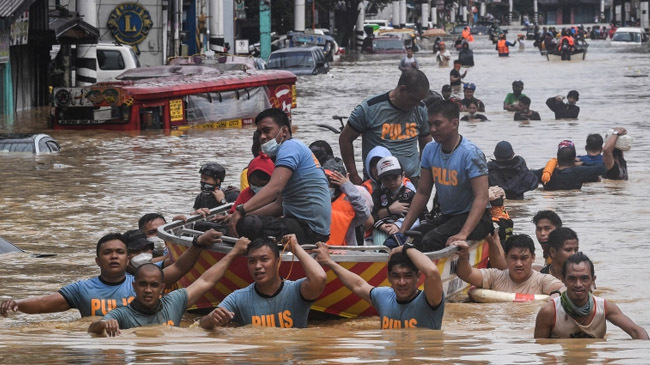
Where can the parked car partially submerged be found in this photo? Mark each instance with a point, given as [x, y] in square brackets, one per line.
[384, 45]
[299, 60]
[28, 143]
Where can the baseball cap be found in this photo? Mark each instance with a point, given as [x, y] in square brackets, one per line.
[469, 85]
[334, 164]
[503, 151]
[388, 165]
[566, 143]
[446, 87]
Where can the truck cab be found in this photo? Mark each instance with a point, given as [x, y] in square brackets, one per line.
[112, 60]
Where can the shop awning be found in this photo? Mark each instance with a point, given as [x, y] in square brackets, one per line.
[12, 9]
[71, 29]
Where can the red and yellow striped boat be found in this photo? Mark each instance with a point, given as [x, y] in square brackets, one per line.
[369, 262]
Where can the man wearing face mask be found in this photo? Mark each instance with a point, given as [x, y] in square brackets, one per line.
[296, 199]
[149, 224]
[350, 208]
[211, 195]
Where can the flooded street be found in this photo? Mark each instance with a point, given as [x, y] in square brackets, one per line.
[104, 181]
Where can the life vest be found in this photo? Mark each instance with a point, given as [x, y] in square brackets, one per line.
[569, 41]
[342, 215]
[502, 47]
[368, 185]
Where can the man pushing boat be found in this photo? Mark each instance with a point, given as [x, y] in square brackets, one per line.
[113, 287]
[149, 308]
[402, 305]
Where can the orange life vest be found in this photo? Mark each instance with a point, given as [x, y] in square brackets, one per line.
[569, 40]
[342, 215]
[502, 47]
[368, 185]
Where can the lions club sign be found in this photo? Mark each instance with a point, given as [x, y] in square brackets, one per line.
[130, 23]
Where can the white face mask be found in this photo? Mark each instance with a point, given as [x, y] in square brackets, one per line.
[141, 259]
[158, 243]
[271, 146]
[255, 189]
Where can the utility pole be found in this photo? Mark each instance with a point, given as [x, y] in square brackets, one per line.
[86, 63]
[265, 29]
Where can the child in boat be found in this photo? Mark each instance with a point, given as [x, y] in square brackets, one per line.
[391, 200]
[351, 204]
[259, 173]
[211, 195]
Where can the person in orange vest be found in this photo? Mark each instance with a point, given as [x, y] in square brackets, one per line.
[467, 35]
[350, 208]
[503, 46]
[566, 46]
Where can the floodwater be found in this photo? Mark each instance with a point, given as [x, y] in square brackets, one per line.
[104, 181]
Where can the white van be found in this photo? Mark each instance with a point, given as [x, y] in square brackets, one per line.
[112, 60]
[629, 36]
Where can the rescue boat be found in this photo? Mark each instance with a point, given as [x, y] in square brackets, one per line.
[369, 262]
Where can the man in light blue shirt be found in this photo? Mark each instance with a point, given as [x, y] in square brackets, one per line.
[402, 305]
[296, 199]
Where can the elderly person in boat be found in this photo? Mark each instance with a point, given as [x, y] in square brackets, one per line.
[113, 287]
[402, 305]
[579, 314]
[150, 307]
[271, 301]
[519, 277]
[296, 199]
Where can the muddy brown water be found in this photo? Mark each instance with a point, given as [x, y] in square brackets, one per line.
[104, 181]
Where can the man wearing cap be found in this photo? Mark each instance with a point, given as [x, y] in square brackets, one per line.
[296, 199]
[510, 172]
[396, 120]
[349, 206]
[468, 92]
[113, 287]
[564, 110]
[511, 102]
[459, 171]
[562, 173]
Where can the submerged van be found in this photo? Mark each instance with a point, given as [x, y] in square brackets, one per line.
[629, 36]
[299, 60]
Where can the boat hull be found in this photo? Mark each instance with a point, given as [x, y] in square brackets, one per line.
[336, 298]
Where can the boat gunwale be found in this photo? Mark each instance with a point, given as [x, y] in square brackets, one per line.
[168, 232]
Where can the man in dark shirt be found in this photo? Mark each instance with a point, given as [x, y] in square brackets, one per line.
[525, 113]
[568, 176]
[565, 110]
[455, 76]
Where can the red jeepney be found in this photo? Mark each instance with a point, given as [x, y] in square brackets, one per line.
[174, 97]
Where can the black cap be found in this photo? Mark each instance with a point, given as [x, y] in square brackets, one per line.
[573, 94]
[503, 151]
[446, 87]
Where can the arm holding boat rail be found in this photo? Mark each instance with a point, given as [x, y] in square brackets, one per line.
[432, 280]
[210, 278]
[269, 195]
[352, 281]
[111, 326]
[316, 279]
[464, 269]
[187, 260]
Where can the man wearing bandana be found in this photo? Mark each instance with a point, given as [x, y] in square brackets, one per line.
[579, 314]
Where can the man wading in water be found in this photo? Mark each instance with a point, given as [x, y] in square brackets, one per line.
[579, 314]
